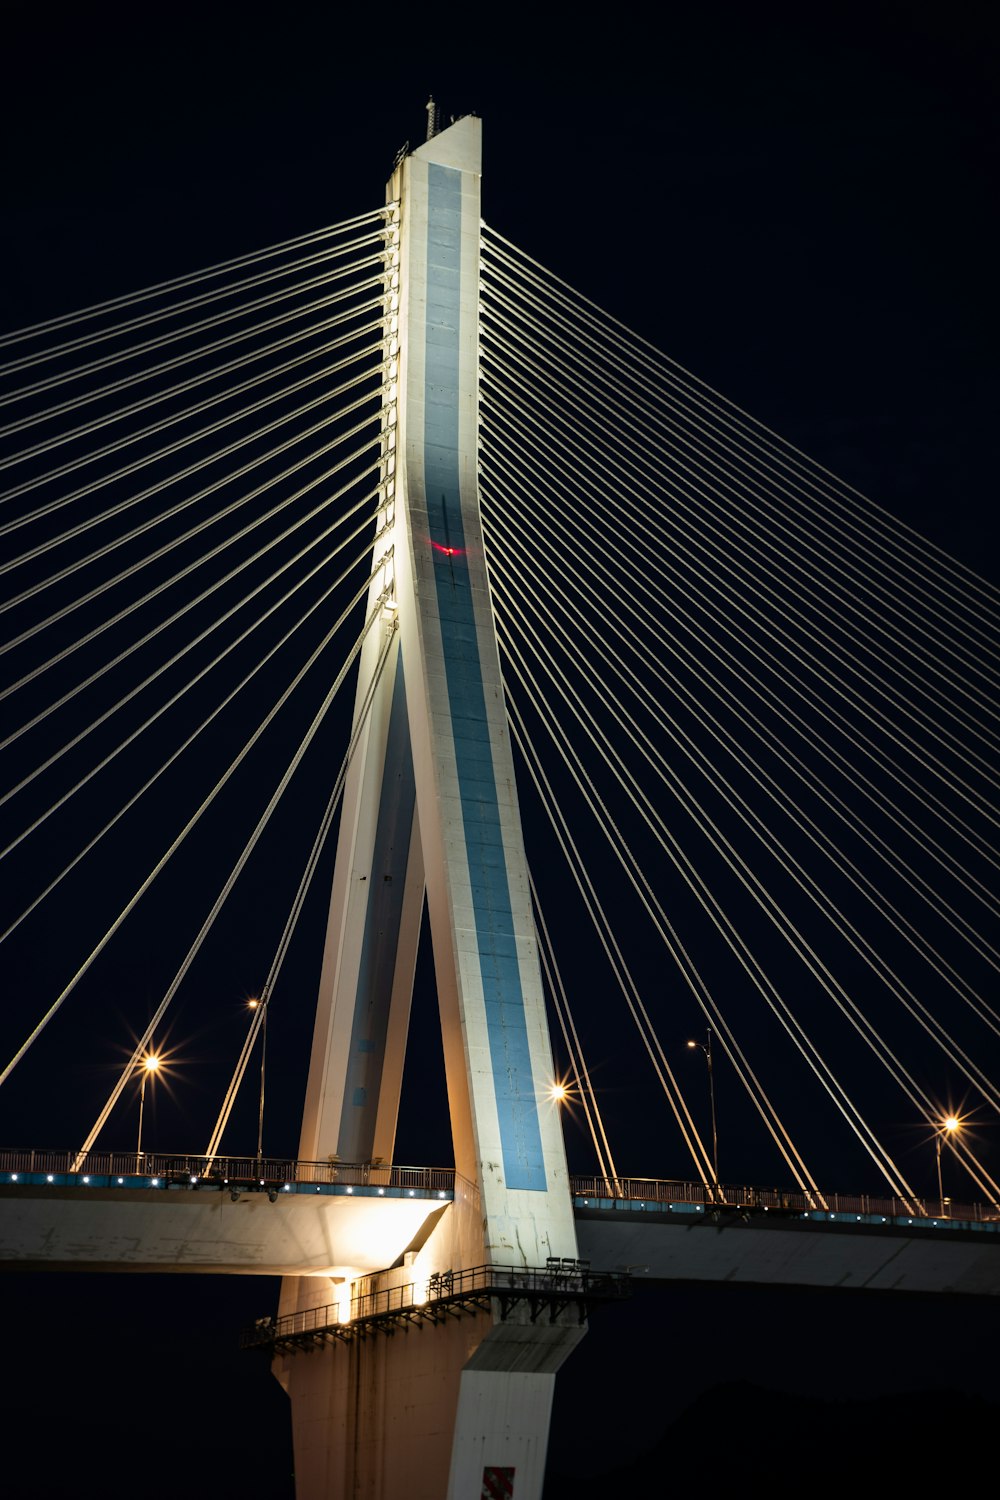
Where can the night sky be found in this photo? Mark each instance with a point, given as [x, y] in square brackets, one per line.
[799, 205]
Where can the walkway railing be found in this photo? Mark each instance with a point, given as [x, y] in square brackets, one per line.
[552, 1287]
[250, 1172]
[709, 1196]
[229, 1171]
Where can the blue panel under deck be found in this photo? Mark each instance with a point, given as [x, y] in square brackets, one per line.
[517, 1107]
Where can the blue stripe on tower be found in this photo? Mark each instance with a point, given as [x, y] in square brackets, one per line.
[517, 1107]
[383, 917]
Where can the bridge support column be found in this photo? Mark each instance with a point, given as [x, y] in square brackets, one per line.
[504, 1407]
[426, 1414]
[431, 1407]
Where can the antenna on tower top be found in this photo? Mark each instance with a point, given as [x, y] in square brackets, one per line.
[432, 118]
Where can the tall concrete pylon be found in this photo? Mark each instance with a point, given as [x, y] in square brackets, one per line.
[431, 804]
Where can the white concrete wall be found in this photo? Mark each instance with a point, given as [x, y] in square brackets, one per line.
[522, 1225]
[389, 1417]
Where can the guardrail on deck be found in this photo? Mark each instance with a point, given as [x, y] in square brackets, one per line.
[250, 1172]
[230, 1171]
[725, 1195]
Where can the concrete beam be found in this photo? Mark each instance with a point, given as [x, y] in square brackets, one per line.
[768, 1251]
[149, 1229]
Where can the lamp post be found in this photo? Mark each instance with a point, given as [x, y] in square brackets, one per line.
[706, 1047]
[150, 1063]
[946, 1128]
[255, 1005]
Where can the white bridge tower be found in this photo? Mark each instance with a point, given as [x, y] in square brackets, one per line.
[459, 1407]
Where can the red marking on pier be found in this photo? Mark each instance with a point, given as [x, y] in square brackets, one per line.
[498, 1484]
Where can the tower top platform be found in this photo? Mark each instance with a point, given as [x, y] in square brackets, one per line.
[460, 145]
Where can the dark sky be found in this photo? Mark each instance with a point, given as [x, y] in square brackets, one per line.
[798, 204]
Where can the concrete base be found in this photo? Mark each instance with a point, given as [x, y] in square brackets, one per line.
[426, 1411]
[373, 1418]
[501, 1432]
[501, 1436]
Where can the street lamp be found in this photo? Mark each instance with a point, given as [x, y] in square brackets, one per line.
[255, 1005]
[150, 1063]
[946, 1128]
[706, 1047]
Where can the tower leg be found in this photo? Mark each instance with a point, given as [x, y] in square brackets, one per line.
[447, 1397]
[373, 1419]
[501, 1432]
[458, 1409]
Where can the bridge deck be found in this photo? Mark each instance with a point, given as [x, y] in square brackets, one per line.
[280, 1218]
[179, 1213]
[793, 1247]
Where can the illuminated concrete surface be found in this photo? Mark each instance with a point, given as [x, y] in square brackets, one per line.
[431, 802]
[305, 1233]
[318, 1234]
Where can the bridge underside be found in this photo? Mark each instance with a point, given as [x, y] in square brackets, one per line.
[248, 1233]
[764, 1251]
[309, 1234]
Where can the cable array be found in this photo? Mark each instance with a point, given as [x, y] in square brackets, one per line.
[756, 717]
[194, 516]
[773, 706]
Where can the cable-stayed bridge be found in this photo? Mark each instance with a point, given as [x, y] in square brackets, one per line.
[753, 724]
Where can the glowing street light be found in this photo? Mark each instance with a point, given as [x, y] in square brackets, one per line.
[706, 1047]
[150, 1063]
[558, 1093]
[947, 1127]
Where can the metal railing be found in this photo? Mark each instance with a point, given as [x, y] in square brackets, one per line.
[275, 1172]
[232, 1171]
[559, 1281]
[780, 1200]
[557, 1278]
